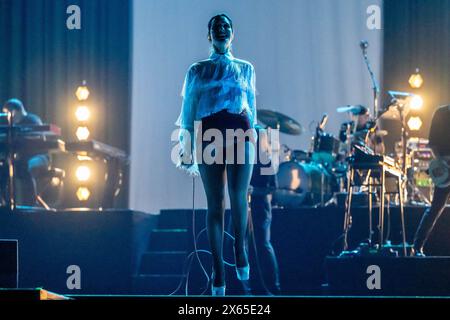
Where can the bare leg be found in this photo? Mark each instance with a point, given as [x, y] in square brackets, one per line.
[213, 177]
[239, 176]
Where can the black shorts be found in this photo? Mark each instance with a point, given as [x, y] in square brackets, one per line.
[222, 121]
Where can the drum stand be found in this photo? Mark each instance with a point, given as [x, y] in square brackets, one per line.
[374, 171]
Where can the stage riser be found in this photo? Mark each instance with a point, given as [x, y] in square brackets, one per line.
[397, 276]
[303, 238]
[108, 247]
[9, 268]
[105, 245]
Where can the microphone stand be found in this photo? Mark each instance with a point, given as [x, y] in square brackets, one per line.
[375, 87]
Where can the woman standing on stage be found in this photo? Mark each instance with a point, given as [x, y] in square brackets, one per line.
[220, 92]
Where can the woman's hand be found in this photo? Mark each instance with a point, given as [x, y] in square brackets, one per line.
[188, 165]
[191, 169]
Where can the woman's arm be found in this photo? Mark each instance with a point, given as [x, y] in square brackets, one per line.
[185, 121]
[252, 96]
[186, 118]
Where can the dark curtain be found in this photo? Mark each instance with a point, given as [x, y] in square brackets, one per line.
[42, 62]
[417, 34]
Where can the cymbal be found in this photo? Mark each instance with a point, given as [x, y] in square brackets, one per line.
[350, 108]
[278, 120]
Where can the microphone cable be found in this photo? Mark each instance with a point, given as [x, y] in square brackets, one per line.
[189, 259]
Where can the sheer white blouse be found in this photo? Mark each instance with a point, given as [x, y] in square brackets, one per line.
[218, 83]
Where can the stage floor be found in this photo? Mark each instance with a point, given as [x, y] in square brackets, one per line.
[123, 252]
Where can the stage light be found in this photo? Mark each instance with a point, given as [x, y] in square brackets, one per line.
[83, 157]
[83, 173]
[82, 92]
[415, 80]
[82, 113]
[82, 133]
[414, 123]
[416, 102]
[83, 193]
[55, 181]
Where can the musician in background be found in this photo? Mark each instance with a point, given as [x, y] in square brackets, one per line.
[439, 133]
[28, 164]
[261, 190]
[362, 129]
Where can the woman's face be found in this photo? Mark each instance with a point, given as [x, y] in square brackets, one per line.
[221, 34]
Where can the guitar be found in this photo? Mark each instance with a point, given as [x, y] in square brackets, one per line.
[439, 171]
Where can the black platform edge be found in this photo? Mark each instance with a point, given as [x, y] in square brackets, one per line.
[29, 294]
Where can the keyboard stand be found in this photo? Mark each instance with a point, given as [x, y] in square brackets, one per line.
[374, 171]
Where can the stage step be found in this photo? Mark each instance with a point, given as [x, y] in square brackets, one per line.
[401, 276]
[163, 284]
[174, 218]
[168, 239]
[162, 262]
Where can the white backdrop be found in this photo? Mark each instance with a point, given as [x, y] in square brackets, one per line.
[307, 60]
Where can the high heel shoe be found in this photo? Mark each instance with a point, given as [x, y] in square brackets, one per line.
[217, 291]
[243, 273]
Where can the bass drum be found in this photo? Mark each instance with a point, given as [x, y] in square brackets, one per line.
[302, 183]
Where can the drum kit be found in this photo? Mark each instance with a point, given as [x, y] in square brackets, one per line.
[316, 177]
[307, 178]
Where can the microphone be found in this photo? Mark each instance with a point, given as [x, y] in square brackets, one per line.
[364, 44]
[323, 121]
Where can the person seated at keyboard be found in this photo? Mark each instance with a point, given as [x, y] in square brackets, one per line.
[28, 164]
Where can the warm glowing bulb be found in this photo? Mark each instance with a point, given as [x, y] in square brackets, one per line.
[83, 193]
[82, 113]
[83, 173]
[414, 123]
[415, 80]
[55, 181]
[82, 133]
[416, 102]
[82, 93]
[83, 157]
